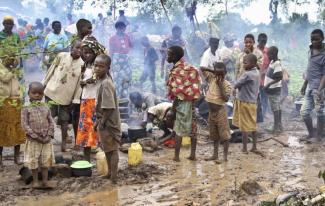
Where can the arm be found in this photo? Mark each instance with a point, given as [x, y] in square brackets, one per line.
[163, 57]
[244, 79]
[25, 125]
[50, 131]
[224, 89]
[277, 77]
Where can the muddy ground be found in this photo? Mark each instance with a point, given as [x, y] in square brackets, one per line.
[160, 181]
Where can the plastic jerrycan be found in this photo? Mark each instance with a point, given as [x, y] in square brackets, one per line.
[101, 163]
[186, 141]
[135, 154]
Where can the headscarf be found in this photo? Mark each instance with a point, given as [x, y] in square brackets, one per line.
[8, 18]
[94, 45]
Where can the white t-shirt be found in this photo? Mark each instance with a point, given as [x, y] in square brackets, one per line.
[208, 59]
[89, 91]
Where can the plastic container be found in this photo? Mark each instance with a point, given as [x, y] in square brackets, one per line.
[101, 163]
[135, 154]
[186, 141]
[81, 168]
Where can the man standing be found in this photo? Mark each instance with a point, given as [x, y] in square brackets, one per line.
[262, 40]
[174, 40]
[183, 86]
[8, 39]
[211, 55]
[314, 84]
[55, 42]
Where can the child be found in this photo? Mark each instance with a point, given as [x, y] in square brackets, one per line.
[86, 136]
[108, 122]
[39, 127]
[218, 93]
[183, 88]
[150, 58]
[272, 87]
[64, 75]
[246, 100]
[84, 28]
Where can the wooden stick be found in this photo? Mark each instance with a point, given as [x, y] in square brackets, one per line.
[279, 141]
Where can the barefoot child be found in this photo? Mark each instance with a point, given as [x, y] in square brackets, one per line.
[183, 88]
[64, 75]
[246, 100]
[218, 93]
[39, 127]
[108, 122]
[86, 136]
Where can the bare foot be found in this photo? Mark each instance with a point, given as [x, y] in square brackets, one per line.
[45, 184]
[244, 151]
[254, 149]
[218, 162]
[35, 184]
[211, 158]
[192, 158]
[176, 159]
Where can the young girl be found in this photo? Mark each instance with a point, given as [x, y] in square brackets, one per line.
[86, 136]
[11, 133]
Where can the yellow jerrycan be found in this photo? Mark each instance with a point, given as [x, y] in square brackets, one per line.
[101, 163]
[135, 154]
[186, 141]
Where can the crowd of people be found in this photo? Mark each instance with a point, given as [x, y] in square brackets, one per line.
[84, 82]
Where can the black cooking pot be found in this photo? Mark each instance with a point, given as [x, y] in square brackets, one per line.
[136, 132]
[85, 172]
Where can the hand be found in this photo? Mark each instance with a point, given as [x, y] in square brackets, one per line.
[303, 90]
[96, 125]
[319, 97]
[266, 87]
[234, 92]
[90, 81]
[220, 80]
[247, 50]
[83, 83]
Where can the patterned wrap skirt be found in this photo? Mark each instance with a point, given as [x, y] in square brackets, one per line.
[11, 132]
[86, 136]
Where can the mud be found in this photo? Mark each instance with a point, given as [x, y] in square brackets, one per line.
[160, 181]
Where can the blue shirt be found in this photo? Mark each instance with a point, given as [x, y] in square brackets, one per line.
[55, 42]
[248, 86]
[315, 69]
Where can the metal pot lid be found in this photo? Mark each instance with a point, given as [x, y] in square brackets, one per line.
[82, 164]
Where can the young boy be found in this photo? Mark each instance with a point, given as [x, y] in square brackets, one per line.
[150, 58]
[272, 87]
[39, 127]
[64, 75]
[218, 93]
[183, 88]
[108, 123]
[246, 100]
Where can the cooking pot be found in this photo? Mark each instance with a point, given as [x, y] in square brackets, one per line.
[81, 168]
[135, 132]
